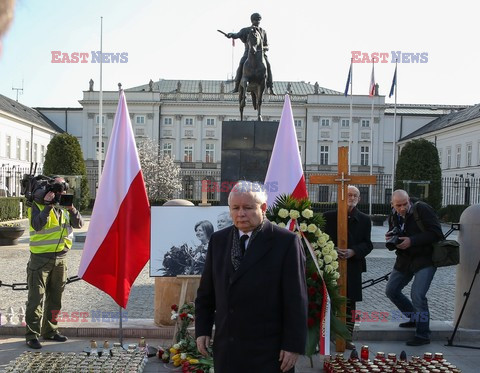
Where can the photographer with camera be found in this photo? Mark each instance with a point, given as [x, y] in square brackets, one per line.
[414, 260]
[51, 236]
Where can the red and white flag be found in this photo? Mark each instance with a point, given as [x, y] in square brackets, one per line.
[285, 172]
[118, 239]
[371, 90]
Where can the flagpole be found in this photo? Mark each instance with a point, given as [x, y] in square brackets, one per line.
[394, 129]
[100, 110]
[350, 120]
[371, 141]
[120, 331]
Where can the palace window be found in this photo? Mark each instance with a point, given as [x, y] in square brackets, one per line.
[323, 154]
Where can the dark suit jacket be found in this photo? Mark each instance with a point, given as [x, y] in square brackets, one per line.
[419, 254]
[359, 230]
[259, 309]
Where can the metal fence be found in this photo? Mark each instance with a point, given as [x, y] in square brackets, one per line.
[10, 178]
[460, 191]
[455, 190]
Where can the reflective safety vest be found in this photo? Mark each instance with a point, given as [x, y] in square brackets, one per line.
[55, 236]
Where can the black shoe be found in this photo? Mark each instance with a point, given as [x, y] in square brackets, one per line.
[34, 343]
[56, 337]
[408, 324]
[271, 91]
[417, 341]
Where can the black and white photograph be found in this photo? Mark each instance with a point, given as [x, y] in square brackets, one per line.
[179, 238]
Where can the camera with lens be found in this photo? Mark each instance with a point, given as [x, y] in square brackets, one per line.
[393, 241]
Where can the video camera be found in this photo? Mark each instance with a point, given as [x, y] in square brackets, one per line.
[34, 188]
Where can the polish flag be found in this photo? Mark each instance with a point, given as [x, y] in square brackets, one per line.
[118, 240]
[285, 172]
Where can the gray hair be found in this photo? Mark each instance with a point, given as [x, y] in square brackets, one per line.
[254, 188]
[400, 193]
[355, 189]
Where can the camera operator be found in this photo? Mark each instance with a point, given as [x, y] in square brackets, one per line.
[51, 236]
[414, 260]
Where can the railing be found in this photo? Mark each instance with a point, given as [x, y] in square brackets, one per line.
[455, 190]
[10, 178]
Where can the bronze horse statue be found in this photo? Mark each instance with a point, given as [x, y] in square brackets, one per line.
[254, 75]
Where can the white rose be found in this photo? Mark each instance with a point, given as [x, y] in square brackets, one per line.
[314, 245]
[334, 255]
[330, 245]
[328, 259]
[183, 356]
[294, 214]
[318, 233]
[321, 241]
[303, 227]
[336, 275]
[320, 263]
[281, 225]
[325, 236]
[283, 213]
[335, 265]
[312, 228]
[329, 268]
[176, 346]
[307, 213]
[325, 250]
[318, 253]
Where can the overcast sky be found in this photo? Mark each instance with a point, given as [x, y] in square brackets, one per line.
[309, 41]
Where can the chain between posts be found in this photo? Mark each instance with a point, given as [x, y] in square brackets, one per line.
[24, 285]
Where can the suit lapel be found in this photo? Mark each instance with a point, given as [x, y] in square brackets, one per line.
[258, 248]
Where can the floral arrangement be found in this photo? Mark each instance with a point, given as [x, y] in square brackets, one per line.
[184, 351]
[298, 216]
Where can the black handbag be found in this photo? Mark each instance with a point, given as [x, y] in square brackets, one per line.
[445, 252]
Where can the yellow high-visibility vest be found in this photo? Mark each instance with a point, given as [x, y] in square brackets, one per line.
[54, 236]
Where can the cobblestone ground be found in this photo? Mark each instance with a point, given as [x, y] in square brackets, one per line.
[441, 296]
[82, 297]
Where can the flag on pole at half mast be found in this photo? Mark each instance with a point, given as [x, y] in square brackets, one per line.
[349, 78]
[394, 83]
[118, 240]
[285, 172]
[371, 90]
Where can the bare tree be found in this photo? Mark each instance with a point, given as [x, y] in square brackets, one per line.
[160, 173]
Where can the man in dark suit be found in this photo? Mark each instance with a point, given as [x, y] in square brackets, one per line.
[414, 261]
[253, 289]
[359, 246]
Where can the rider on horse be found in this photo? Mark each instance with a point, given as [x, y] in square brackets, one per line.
[243, 35]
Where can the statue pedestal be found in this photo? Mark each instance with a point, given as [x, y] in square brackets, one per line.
[246, 150]
[173, 290]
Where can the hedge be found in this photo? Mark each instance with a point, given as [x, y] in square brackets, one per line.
[10, 208]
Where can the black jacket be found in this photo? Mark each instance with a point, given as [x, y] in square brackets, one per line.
[359, 230]
[259, 309]
[419, 254]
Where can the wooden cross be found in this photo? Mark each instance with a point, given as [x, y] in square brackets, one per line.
[342, 179]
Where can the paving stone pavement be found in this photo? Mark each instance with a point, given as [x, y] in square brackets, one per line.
[81, 296]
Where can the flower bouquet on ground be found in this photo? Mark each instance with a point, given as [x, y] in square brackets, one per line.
[184, 351]
[298, 217]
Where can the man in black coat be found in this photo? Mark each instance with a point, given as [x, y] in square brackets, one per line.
[414, 260]
[359, 246]
[253, 289]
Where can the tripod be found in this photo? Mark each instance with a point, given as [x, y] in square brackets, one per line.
[466, 295]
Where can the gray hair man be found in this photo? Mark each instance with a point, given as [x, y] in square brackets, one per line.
[240, 258]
